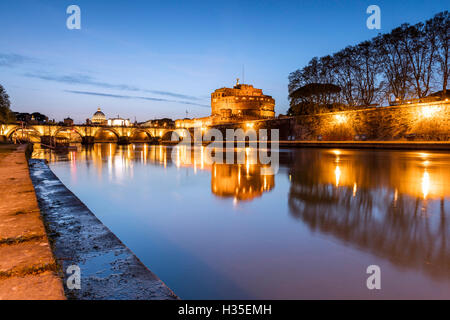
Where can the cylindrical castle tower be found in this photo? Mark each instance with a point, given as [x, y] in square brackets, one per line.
[242, 101]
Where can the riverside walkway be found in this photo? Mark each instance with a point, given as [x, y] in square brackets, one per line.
[27, 266]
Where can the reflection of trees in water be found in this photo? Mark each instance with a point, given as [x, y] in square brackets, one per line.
[365, 209]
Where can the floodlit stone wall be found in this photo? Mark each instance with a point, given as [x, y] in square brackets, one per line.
[422, 121]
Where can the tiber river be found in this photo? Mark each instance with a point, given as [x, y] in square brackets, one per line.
[227, 232]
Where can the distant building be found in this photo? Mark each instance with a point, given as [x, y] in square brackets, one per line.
[119, 122]
[164, 122]
[39, 118]
[194, 123]
[33, 118]
[23, 117]
[99, 118]
[68, 121]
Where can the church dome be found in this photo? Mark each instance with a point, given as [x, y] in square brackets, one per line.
[99, 117]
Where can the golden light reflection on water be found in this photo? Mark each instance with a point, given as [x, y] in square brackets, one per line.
[412, 175]
[337, 173]
[425, 184]
[392, 204]
[237, 181]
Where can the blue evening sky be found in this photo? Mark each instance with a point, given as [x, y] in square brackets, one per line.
[151, 59]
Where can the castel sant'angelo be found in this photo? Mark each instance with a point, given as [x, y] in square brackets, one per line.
[243, 102]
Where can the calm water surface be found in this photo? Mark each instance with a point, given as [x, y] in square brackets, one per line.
[226, 231]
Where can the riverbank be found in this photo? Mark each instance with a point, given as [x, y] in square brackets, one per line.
[109, 269]
[27, 266]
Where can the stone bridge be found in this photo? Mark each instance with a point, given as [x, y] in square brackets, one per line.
[86, 134]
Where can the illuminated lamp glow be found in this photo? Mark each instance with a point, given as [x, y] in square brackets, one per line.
[339, 118]
[429, 111]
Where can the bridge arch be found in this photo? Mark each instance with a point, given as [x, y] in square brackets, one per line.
[72, 128]
[27, 133]
[106, 134]
[73, 134]
[181, 133]
[10, 129]
[140, 135]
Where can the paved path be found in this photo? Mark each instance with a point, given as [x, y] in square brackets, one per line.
[27, 267]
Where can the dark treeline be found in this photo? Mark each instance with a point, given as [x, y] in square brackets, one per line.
[6, 115]
[408, 63]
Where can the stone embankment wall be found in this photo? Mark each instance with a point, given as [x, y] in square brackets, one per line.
[109, 269]
[423, 121]
[419, 122]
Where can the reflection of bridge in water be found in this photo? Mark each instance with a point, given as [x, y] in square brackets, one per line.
[87, 134]
[237, 181]
[391, 204]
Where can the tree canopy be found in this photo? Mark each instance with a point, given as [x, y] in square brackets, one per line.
[6, 115]
[313, 97]
[409, 62]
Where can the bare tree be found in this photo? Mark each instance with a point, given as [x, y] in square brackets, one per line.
[345, 65]
[394, 65]
[419, 44]
[366, 72]
[441, 24]
[402, 63]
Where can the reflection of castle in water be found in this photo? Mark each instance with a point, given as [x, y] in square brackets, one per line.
[391, 205]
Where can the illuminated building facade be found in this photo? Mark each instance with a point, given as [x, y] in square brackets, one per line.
[99, 117]
[119, 122]
[241, 103]
[194, 123]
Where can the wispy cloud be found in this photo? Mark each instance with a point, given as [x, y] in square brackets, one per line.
[118, 96]
[99, 94]
[79, 79]
[172, 94]
[11, 60]
[88, 80]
